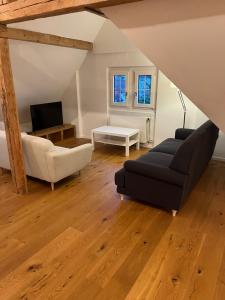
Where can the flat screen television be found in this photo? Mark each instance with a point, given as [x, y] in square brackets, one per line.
[46, 115]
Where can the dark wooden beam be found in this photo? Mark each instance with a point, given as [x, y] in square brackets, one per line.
[23, 10]
[10, 115]
[43, 38]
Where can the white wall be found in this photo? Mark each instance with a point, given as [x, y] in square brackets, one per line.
[111, 49]
[111, 40]
[219, 152]
[44, 73]
[185, 40]
[69, 99]
[47, 73]
[94, 93]
[169, 112]
[169, 115]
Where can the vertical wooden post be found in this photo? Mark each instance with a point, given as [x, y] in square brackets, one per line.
[10, 115]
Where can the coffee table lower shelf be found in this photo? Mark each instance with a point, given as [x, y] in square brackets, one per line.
[116, 142]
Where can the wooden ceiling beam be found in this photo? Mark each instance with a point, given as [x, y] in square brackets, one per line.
[43, 38]
[23, 10]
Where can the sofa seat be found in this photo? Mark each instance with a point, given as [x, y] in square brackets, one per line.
[153, 165]
[169, 146]
[148, 159]
[156, 158]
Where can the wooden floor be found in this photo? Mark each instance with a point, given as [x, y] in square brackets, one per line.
[82, 242]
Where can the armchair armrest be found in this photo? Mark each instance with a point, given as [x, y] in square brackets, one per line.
[154, 171]
[183, 133]
[63, 162]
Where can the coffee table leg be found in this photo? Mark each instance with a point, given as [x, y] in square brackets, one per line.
[127, 146]
[138, 143]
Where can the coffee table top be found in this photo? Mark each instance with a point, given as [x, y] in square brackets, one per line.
[116, 131]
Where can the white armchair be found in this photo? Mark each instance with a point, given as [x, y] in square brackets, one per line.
[45, 161]
[63, 162]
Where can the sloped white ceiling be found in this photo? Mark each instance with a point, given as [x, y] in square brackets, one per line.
[112, 40]
[41, 72]
[186, 41]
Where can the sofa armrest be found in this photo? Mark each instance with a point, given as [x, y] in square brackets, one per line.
[183, 133]
[154, 171]
[63, 162]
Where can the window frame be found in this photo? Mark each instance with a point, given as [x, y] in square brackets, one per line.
[112, 74]
[152, 71]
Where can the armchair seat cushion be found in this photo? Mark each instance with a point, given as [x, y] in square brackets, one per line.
[169, 146]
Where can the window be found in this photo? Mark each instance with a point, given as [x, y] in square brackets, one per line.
[119, 86]
[119, 89]
[133, 87]
[145, 88]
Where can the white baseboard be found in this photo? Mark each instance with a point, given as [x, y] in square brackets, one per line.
[218, 158]
[147, 145]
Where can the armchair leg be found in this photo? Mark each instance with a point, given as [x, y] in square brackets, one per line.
[52, 186]
[121, 197]
[174, 212]
[1, 171]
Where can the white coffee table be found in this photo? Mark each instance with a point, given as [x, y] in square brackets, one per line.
[119, 136]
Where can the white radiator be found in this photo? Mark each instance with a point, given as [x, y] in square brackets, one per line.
[140, 120]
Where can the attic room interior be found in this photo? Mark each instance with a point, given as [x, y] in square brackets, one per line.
[112, 149]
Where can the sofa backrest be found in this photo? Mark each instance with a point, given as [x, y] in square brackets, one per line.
[196, 150]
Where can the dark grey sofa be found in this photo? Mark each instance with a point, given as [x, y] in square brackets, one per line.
[165, 175]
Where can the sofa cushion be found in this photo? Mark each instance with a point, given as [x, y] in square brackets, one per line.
[169, 146]
[156, 158]
[183, 133]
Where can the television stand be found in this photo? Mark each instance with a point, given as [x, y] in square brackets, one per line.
[57, 133]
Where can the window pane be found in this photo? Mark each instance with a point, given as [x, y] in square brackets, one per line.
[144, 89]
[147, 96]
[148, 81]
[141, 82]
[119, 88]
[141, 96]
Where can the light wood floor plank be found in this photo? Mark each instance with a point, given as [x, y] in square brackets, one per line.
[81, 242]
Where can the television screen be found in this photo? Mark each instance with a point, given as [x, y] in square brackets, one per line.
[46, 115]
